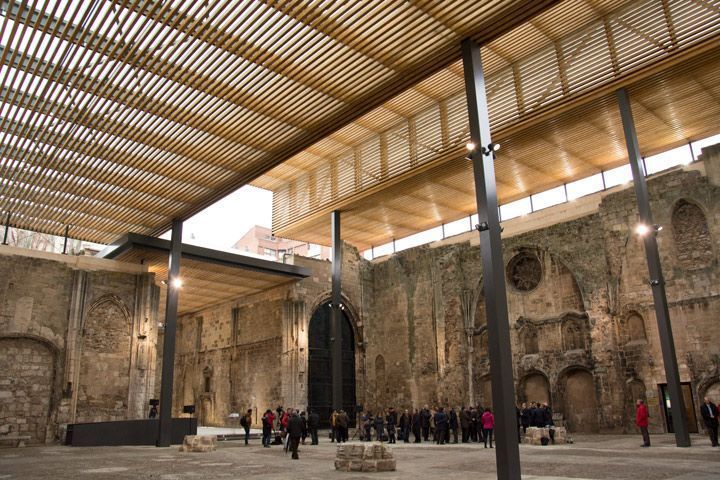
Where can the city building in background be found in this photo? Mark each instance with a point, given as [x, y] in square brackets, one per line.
[260, 240]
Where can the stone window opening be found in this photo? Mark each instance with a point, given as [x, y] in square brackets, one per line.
[691, 235]
[524, 271]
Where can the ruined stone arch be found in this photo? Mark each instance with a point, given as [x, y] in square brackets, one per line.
[709, 386]
[29, 363]
[577, 399]
[104, 373]
[691, 235]
[634, 389]
[534, 386]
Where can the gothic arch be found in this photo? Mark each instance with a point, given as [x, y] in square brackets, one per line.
[104, 369]
[350, 311]
[528, 336]
[691, 235]
[574, 332]
[632, 328]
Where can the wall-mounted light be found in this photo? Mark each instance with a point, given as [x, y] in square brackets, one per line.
[470, 146]
[642, 229]
[177, 282]
[490, 149]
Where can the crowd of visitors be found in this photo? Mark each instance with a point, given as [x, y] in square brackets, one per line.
[437, 424]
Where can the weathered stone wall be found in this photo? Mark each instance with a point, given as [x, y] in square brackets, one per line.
[583, 329]
[70, 341]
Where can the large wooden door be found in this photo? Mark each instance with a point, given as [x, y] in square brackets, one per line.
[320, 365]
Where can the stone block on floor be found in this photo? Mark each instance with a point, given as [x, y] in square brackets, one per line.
[364, 457]
[199, 443]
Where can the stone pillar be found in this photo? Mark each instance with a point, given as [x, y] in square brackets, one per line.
[73, 345]
[144, 346]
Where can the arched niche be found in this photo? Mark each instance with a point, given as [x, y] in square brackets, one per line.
[691, 235]
[573, 333]
[529, 340]
[105, 362]
[635, 390]
[632, 329]
[578, 400]
[535, 387]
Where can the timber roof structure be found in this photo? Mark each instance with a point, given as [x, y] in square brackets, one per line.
[209, 277]
[120, 115]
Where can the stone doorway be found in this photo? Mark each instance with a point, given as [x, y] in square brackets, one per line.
[579, 401]
[320, 365]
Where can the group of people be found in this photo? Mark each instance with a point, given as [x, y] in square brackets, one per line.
[289, 427]
[440, 424]
[708, 410]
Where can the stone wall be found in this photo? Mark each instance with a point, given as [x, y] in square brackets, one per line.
[583, 328]
[77, 341]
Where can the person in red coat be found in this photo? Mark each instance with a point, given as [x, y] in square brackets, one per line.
[641, 420]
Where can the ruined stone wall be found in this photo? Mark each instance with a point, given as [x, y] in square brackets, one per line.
[583, 329]
[69, 342]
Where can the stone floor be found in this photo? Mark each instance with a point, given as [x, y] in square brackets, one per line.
[590, 457]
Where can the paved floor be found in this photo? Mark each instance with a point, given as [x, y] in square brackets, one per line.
[590, 457]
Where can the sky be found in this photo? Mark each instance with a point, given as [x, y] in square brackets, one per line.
[222, 224]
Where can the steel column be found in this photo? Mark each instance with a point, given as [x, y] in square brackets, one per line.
[657, 282]
[507, 453]
[168, 364]
[336, 315]
[7, 229]
[67, 232]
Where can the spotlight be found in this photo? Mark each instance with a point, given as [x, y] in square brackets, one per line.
[164, 282]
[642, 229]
[490, 149]
[177, 282]
[470, 146]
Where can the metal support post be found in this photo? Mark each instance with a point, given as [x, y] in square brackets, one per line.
[507, 453]
[657, 282]
[67, 232]
[336, 315]
[7, 229]
[168, 364]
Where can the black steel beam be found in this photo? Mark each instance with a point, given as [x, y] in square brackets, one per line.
[336, 314]
[507, 453]
[657, 282]
[135, 240]
[168, 365]
[67, 232]
[7, 229]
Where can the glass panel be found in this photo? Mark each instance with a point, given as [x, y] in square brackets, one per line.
[583, 187]
[618, 176]
[548, 198]
[457, 227]
[665, 160]
[515, 209]
[419, 239]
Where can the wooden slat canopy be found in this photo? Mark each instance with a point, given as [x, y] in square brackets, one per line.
[209, 277]
[120, 115]
[399, 169]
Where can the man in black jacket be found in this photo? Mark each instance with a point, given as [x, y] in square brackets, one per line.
[295, 429]
[417, 426]
[709, 413]
[465, 424]
[453, 425]
[441, 424]
[313, 425]
[425, 422]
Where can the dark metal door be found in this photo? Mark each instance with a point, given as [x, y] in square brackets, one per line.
[320, 365]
